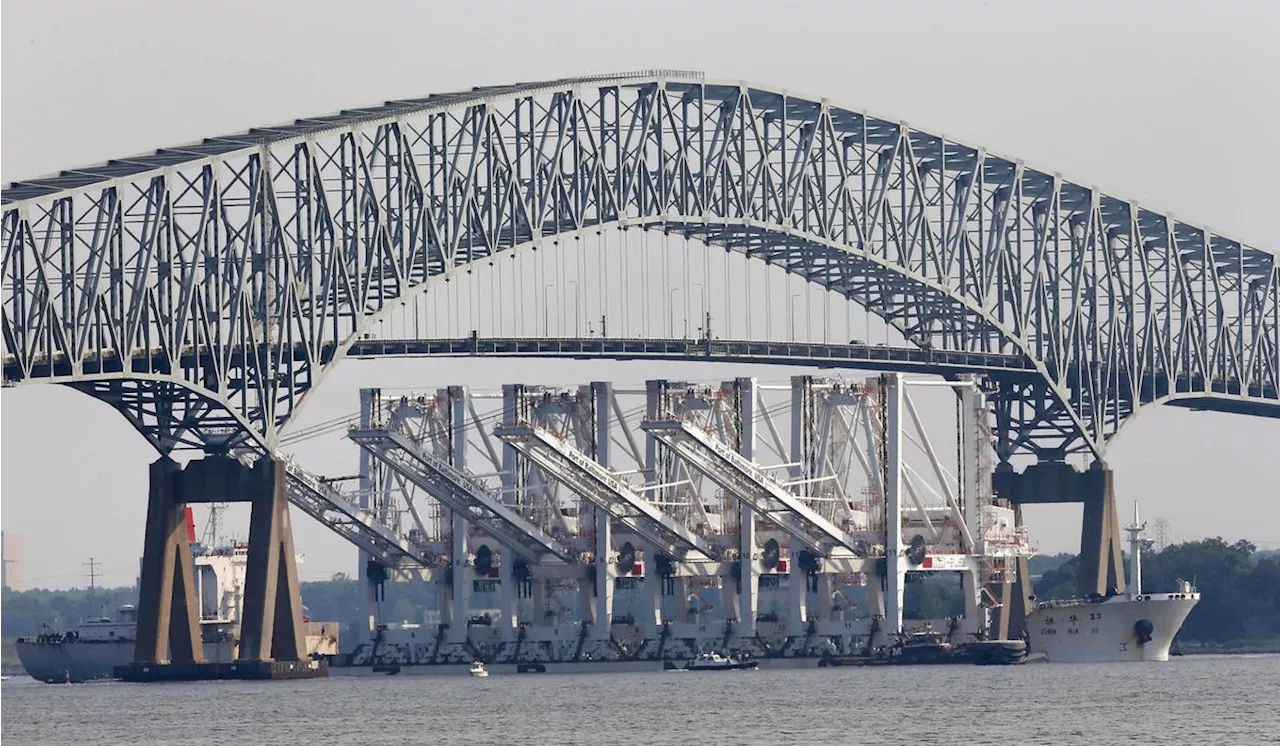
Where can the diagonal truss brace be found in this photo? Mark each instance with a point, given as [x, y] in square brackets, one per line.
[462, 493]
[358, 526]
[604, 489]
[740, 476]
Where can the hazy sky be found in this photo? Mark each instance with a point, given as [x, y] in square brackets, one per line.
[1174, 104]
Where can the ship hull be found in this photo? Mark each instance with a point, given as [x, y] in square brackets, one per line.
[1111, 631]
[79, 661]
[73, 662]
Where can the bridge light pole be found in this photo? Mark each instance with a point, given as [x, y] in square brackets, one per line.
[574, 283]
[671, 313]
[546, 310]
[701, 304]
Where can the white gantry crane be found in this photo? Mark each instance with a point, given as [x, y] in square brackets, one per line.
[641, 500]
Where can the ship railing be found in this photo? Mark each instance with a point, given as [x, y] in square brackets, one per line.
[1061, 604]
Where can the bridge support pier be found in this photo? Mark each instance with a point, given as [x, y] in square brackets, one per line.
[168, 615]
[1101, 564]
[168, 611]
[1015, 604]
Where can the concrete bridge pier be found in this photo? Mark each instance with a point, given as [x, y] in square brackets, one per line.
[271, 622]
[168, 612]
[1101, 564]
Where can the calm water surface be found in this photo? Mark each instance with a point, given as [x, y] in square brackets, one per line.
[1194, 700]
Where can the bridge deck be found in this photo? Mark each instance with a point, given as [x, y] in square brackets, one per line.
[877, 357]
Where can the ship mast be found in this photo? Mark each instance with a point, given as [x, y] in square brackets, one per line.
[1135, 554]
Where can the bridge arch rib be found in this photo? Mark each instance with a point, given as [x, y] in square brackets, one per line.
[245, 264]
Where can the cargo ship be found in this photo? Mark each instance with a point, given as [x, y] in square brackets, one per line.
[1135, 626]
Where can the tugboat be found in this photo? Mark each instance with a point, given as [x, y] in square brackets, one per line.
[927, 647]
[921, 647]
[478, 670]
[717, 662]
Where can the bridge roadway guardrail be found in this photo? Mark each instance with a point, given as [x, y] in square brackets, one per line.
[879, 357]
[1224, 396]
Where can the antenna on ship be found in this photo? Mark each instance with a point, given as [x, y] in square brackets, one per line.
[210, 536]
[1135, 553]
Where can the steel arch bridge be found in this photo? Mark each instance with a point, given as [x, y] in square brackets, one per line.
[203, 289]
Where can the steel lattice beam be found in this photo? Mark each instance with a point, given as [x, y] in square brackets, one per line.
[328, 506]
[237, 270]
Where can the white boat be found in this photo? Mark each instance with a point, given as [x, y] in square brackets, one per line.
[717, 662]
[1136, 626]
[478, 670]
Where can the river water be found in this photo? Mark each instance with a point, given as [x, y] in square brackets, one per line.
[1192, 700]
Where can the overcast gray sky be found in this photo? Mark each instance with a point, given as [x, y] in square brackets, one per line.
[1175, 104]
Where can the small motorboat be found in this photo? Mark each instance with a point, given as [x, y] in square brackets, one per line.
[717, 662]
[478, 670]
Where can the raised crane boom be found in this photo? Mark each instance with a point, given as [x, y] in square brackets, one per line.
[461, 492]
[741, 477]
[604, 489]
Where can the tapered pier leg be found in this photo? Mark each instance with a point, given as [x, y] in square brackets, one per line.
[271, 625]
[168, 612]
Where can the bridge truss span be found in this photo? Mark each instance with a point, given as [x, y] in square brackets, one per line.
[241, 268]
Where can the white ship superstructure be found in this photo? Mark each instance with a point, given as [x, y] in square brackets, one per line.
[1135, 626]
